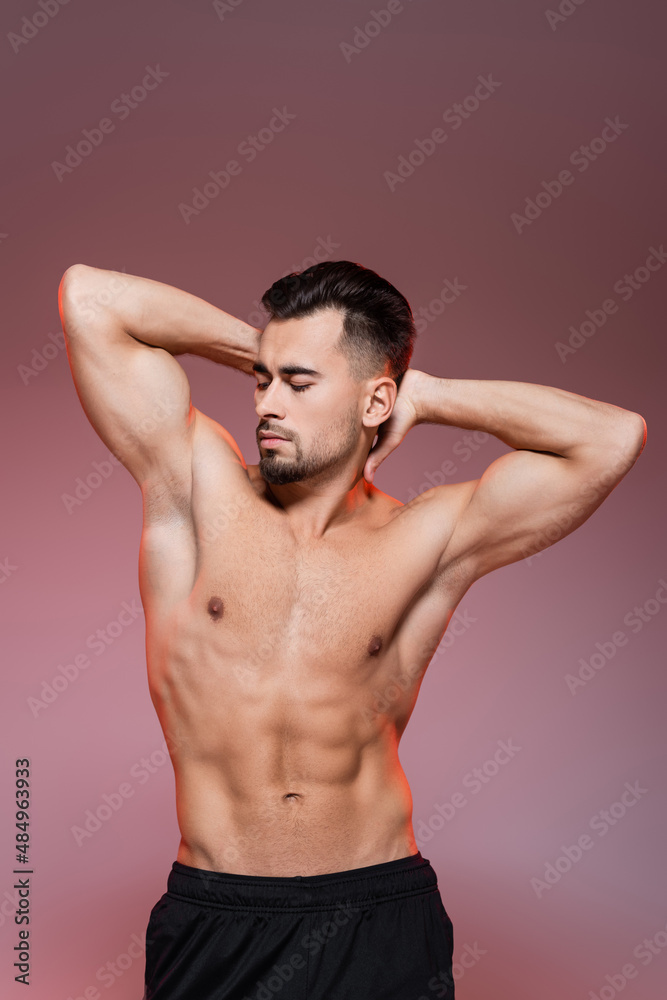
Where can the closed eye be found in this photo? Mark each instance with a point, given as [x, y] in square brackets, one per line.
[297, 388]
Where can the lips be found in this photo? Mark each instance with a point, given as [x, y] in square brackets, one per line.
[264, 435]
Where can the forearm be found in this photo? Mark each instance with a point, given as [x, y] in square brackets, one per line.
[156, 314]
[527, 416]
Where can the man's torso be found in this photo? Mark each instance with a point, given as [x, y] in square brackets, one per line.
[284, 671]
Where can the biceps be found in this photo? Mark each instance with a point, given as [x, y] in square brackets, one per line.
[526, 501]
[136, 397]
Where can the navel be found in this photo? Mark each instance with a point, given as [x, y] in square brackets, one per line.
[292, 795]
[215, 608]
[375, 645]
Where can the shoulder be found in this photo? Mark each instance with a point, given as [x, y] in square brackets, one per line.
[212, 465]
[448, 500]
[210, 434]
[432, 518]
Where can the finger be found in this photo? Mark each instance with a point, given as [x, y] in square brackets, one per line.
[369, 465]
[378, 454]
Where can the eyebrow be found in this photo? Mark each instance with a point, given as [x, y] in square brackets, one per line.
[258, 366]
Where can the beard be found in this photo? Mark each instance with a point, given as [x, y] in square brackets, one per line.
[328, 451]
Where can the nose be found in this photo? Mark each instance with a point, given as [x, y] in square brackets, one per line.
[267, 402]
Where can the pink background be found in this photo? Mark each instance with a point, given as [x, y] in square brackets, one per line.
[321, 182]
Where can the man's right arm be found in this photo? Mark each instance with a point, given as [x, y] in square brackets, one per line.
[122, 332]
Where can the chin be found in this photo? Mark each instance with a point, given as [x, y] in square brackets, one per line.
[276, 476]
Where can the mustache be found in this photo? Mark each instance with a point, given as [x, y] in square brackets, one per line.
[270, 430]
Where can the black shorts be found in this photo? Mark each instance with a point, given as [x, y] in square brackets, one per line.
[375, 933]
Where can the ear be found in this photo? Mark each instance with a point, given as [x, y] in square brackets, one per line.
[380, 399]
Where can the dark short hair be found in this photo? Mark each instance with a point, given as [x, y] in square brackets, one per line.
[378, 326]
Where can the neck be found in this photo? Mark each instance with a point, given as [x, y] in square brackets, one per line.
[315, 507]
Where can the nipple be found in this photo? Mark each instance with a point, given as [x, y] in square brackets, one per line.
[375, 645]
[215, 608]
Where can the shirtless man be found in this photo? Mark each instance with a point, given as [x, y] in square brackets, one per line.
[292, 609]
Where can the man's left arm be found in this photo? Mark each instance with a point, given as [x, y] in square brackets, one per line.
[570, 453]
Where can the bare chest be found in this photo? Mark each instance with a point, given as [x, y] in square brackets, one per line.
[339, 600]
[236, 588]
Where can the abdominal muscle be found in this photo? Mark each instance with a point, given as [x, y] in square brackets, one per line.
[284, 767]
[270, 665]
[315, 828]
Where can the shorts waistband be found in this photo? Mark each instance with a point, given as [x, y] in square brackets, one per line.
[358, 887]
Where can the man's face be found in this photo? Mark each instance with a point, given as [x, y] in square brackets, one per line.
[306, 395]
